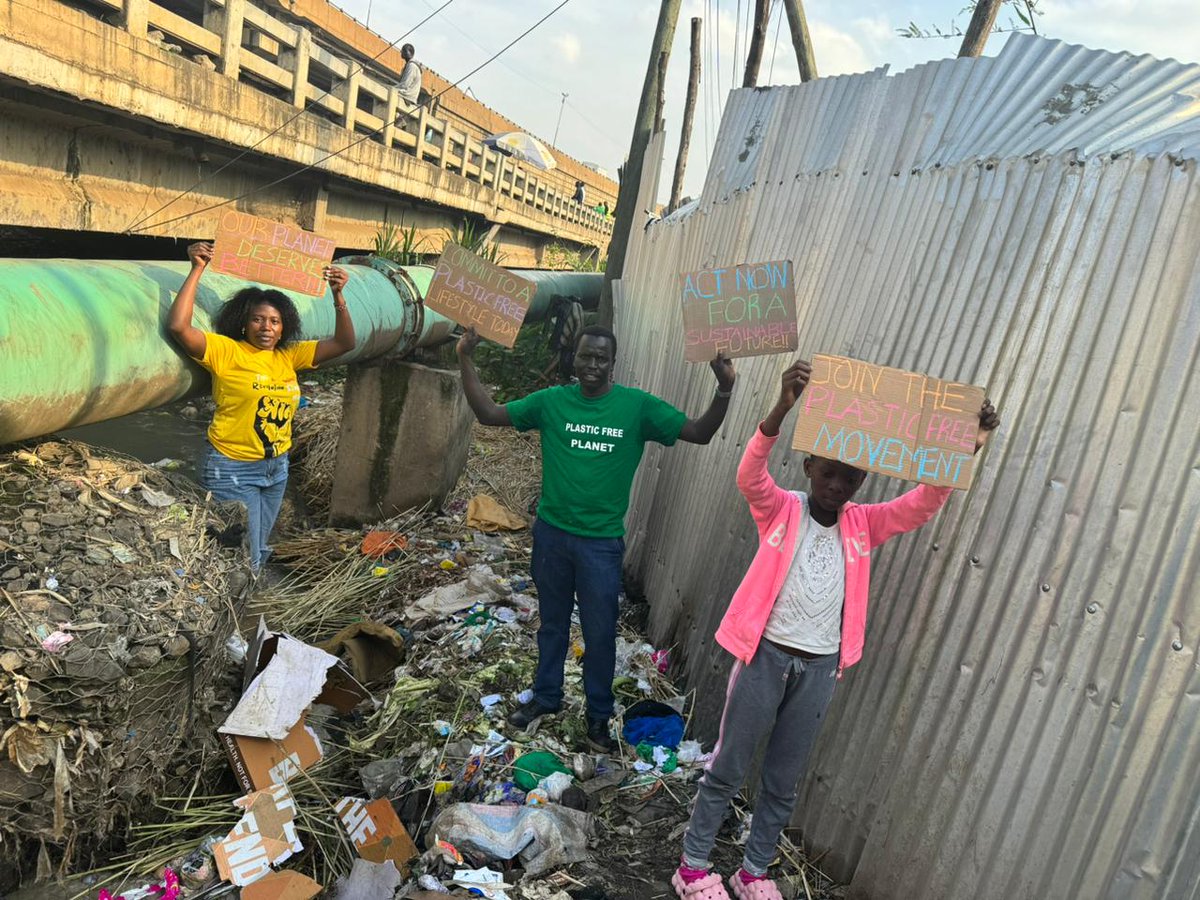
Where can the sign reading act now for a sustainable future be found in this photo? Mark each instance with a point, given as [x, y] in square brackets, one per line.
[890, 421]
[474, 292]
[271, 253]
[746, 310]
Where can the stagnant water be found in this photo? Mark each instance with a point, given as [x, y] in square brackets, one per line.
[151, 435]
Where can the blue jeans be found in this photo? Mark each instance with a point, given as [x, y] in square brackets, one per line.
[256, 484]
[566, 568]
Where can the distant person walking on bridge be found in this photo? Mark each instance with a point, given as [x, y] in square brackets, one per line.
[253, 356]
[410, 78]
[592, 437]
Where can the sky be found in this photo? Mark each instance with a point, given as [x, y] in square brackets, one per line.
[596, 51]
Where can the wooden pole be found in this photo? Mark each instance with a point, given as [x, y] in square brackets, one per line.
[801, 39]
[689, 113]
[631, 177]
[982, 22]
[758, 38]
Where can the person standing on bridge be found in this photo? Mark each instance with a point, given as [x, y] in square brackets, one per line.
[592, 437]
[410, 77]
[253, 356]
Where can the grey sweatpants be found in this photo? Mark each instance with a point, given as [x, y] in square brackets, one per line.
[777, 694]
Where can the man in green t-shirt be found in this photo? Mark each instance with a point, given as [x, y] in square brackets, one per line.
[592, 436]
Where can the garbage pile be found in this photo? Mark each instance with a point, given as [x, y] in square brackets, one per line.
[354, 741]
[386, 767]
[114, 601]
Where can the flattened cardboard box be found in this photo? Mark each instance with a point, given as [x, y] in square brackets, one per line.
[259, 763]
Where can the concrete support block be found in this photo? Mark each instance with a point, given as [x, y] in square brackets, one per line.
[406, 430]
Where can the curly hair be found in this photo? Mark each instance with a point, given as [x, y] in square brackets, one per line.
[235, 313]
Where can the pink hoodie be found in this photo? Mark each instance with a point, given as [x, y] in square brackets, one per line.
[779, 515]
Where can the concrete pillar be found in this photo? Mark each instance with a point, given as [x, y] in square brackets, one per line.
[406, 430]
[422, 125]
[135, 16]
[296, 60]
[389, 118]
[232, 23]
[349, 93]
[313, 207]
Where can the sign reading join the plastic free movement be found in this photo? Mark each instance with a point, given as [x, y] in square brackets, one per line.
[890, 421]
[746, 310]
[472, 291]
[271, 253]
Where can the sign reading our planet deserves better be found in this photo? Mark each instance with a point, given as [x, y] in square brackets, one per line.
[474, 292]
[746, 310]
[890, 421]
[271, 253]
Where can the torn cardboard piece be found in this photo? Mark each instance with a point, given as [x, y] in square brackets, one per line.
[259, 763]
[286, 885]
[486, 514]
[376, 831]
[264, 837]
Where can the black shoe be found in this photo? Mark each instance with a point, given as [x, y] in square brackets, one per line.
[598, 737]
[528, 713]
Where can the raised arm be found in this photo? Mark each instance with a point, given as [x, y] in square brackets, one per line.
[179, 317]
[753, 478]
[701, 430]
[486, 410]
[343, 329]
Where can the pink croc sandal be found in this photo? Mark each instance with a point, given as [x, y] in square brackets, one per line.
[707, 888]
[761, 889]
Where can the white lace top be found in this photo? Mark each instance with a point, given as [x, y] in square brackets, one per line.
[808, 612]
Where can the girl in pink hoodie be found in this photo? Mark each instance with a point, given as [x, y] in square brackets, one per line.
[795, 622]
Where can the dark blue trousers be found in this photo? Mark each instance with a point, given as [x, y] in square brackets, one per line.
[568, 568]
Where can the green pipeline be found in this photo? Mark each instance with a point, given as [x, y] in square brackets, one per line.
[83, 340]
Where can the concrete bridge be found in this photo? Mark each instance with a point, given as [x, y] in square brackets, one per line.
[114, 108]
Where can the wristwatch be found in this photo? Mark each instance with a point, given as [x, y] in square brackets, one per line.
[724, 395]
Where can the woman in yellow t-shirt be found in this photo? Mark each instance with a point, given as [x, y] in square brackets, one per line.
[253, 356]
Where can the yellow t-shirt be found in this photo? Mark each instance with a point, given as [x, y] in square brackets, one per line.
[257, 393]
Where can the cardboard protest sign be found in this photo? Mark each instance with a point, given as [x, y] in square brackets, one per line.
[271, 253]
[474, 292]
[746, 310]
[890, 421]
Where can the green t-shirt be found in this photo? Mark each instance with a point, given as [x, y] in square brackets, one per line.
[591, 448]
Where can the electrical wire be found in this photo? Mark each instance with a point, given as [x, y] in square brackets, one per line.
[541, 85]
[130, 229]
[778, 25]
[366, 136]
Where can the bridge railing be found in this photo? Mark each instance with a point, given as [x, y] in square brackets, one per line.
[286, 61]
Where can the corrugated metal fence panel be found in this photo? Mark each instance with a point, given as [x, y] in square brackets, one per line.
[1026, 721]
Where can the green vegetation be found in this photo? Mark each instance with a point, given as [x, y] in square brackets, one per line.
[400, 245]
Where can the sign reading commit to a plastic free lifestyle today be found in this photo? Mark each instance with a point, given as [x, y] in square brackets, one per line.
[746, 310]
[890, 421]
[472, 291]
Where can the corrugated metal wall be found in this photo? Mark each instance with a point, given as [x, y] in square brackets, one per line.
[1026, 720]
